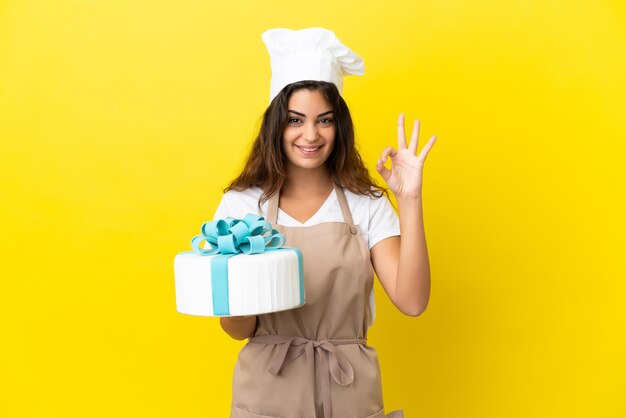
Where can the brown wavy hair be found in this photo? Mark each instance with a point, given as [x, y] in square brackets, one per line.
[266, 165]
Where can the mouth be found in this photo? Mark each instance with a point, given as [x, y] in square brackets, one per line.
[309, 150]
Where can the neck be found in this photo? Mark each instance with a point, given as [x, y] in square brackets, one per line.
[306, 181]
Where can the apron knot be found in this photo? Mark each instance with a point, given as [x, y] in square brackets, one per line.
[323, 360]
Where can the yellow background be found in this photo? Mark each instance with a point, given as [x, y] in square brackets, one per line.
[120, 122]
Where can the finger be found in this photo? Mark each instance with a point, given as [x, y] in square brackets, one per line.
[401, 135]
[388, 152]
[382, 170]
[380, 166]
[414, 136]
[427, 148]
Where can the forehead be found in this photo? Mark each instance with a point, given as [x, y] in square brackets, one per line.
[308, 101]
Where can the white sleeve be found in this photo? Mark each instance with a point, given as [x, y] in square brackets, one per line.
[383, 222]
[223, 209]
[238, 204]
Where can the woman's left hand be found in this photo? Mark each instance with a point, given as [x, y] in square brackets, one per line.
[405, 177]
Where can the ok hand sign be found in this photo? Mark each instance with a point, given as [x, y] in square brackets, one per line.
[405, 176]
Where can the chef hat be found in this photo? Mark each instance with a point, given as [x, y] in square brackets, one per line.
[308, 54]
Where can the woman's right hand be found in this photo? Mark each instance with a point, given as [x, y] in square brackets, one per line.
[239, 327]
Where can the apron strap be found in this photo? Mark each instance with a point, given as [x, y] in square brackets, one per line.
[272, 208]
[343, 203]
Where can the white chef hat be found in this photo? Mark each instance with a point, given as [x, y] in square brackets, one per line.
[308, 54]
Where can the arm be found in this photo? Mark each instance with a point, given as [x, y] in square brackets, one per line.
[401, 263]
[239, 327]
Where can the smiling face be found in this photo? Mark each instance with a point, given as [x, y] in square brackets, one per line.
[309, 137]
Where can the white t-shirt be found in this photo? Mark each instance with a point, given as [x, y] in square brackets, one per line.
[375, 217]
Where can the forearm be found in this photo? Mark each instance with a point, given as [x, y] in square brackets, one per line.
[239, 327]
[413, 274]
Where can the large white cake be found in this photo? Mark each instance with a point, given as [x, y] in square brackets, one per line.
[257, 283]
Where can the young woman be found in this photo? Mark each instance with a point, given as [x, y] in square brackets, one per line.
[306, 177]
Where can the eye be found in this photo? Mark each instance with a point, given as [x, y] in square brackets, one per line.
[327, 121]
[293, 120]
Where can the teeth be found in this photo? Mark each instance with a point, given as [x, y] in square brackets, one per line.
[309, 149]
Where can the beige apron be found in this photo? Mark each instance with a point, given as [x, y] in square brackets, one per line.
[313, 361]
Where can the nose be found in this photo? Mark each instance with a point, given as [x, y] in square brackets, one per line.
[310, 132]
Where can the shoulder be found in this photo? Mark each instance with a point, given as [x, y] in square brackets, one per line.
[375, 215]
[237, 203]
[372, 209]
[360, 200]
[239, 196]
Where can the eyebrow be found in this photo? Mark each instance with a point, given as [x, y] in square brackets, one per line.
[302, 114]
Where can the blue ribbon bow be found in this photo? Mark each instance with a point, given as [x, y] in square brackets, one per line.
[250, 235]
